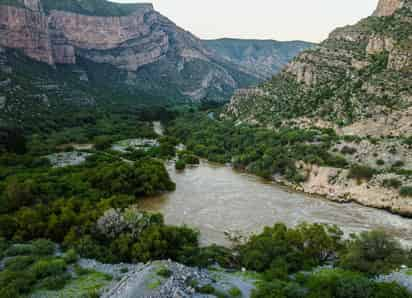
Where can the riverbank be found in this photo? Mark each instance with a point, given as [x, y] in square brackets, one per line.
[334, 184]
[373, 172]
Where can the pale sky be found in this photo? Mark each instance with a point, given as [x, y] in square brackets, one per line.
[310, 20]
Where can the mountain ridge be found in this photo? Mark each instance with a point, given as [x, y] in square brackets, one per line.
[260, 57]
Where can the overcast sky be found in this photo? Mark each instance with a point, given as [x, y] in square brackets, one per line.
[309, 20]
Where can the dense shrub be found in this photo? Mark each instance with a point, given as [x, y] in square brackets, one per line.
[19, 263]
[361, 172]
[208, 256]
[278, 289]
[19, 282]
[337, 283]
[43, 247]
[384, 290]
[304, 247]
[235, 292]
[348, 150]
[20, 250]
[48, 267]
[146, 177]
[259, 151]
[340, 284]
[406, 191]
[163, 242]
[180, 165]
[13, 140]
[391, 183]
[103, 142]
[380, 162]
[18, 194]
[54, 282]
[373, 253]
[70, 256]
[330, 283]
[189, 158]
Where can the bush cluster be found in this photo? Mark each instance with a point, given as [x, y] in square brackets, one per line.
[260, 151]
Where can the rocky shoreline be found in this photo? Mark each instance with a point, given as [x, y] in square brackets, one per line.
[334, 185]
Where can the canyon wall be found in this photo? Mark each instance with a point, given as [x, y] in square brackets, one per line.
[57, 37]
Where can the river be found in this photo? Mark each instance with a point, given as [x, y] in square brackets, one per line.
[216, 199]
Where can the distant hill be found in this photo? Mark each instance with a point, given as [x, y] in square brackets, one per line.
[262, 58]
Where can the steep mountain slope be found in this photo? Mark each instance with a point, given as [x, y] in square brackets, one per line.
[359, 83]
[261, 58]
[108, 52]
[359, 80]
[132, 46]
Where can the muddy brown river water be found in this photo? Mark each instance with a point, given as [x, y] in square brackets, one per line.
[216, 199]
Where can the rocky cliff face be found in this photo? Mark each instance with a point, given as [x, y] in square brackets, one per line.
[148, 52]
[58, 36]
[94, 38]
[387, 7]
[360, 75]
[26, 29]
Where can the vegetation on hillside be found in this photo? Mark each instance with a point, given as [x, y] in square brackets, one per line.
[342, 80]
[286, 151]
[260, 151]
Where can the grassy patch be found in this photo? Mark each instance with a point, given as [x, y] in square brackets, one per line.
[164, 272]
[84, 286]
[235, 292]
[154, 284]
[249, 275]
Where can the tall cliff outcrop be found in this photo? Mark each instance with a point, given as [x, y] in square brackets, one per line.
[125, 37]
[358, 80]
[387, 7]
[26, 29]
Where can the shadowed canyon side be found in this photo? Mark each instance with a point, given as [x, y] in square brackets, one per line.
[358, 82]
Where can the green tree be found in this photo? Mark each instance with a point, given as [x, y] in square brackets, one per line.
[373, 253]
